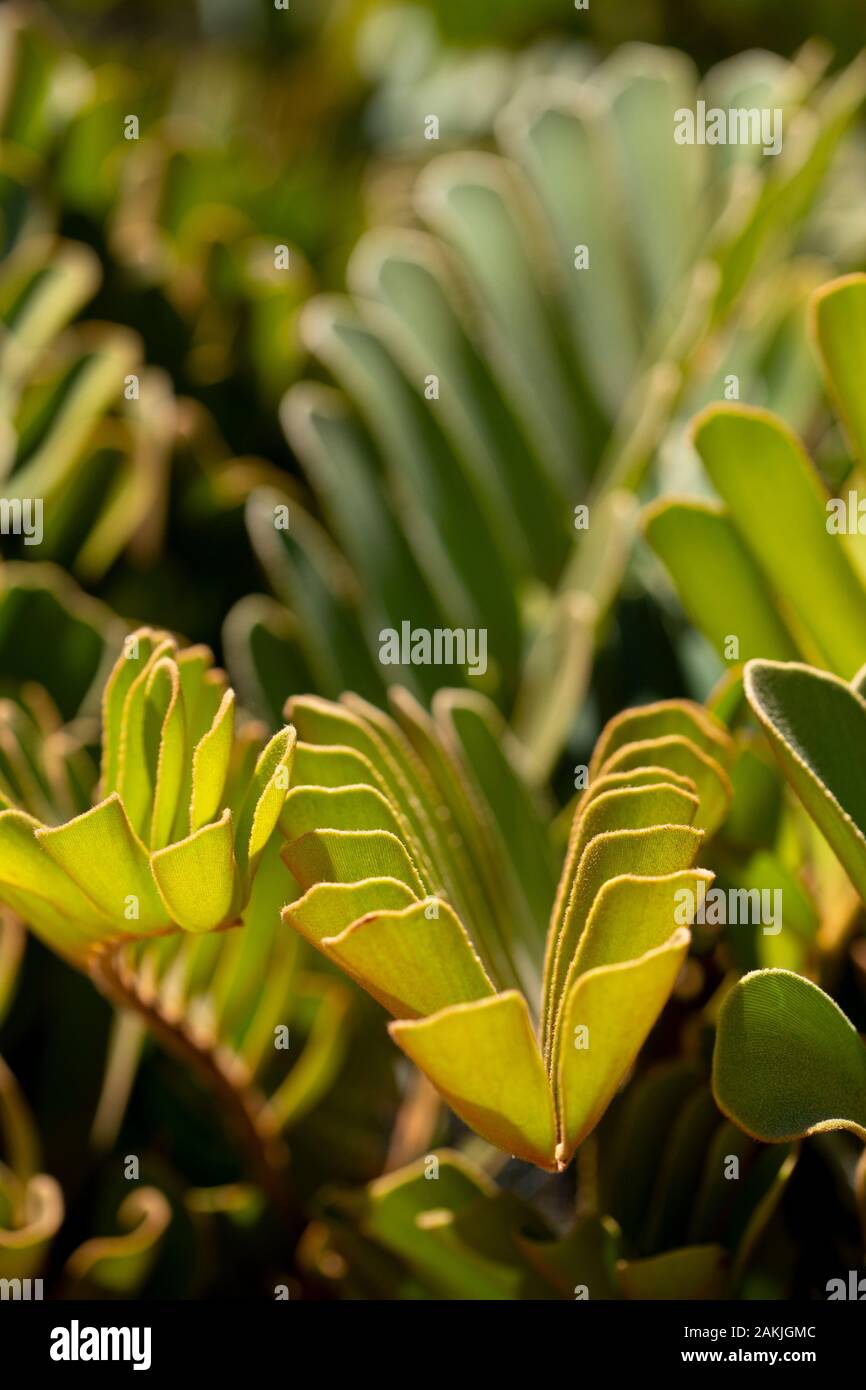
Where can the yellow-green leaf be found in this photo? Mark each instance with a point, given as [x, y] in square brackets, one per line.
[761, 471]
[604, 1023]
[415, 961]
[838, 312]
[327, 909]
[720, 585]
[661, 720]
[658, 849]
[264, 799]
[196, 877]
[101, 853]
[339, 808]
[682, 755]
[485, 1059]
[210, 764]
[165, 723]
[345, 856]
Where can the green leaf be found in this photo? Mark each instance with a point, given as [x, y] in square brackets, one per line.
[676, 1191]
[765, 1188]
[816, 725]
[309, 574]
[210, 764]
[787, 1061]
[415, 960]
[485, 1060]
[642, 1127]
[86, 394]
[398, 1208]
[136, 658]
[761, 471]
[202, 686]
[753, 818]
[564, 140]
[484, 742]
[720, 585]
[260, 641]
[679, 754]
[63, 275]
[620, 808]
[101, 853]
[264, 799]
[346, 856]
[346, 807]
[320, 722]
[328, 908]
[196, 877]
[483, 1238]
[427, 329]
[617, 1005]
[585, 1255]
[645, 85]
[664, 719]
[473, 200]
[659, 849]
[53, 633]
[436, 855]
[453, 542]
[345, 471]
[136, 760]
[165, 725]
[839, 326]
[41, 892]
[473, 845]
[335, 766]
[632, 915]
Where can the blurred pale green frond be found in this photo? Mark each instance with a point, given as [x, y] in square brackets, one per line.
[490, 384]
[732, 560]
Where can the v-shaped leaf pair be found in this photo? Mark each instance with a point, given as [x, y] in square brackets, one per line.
[419, 852]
